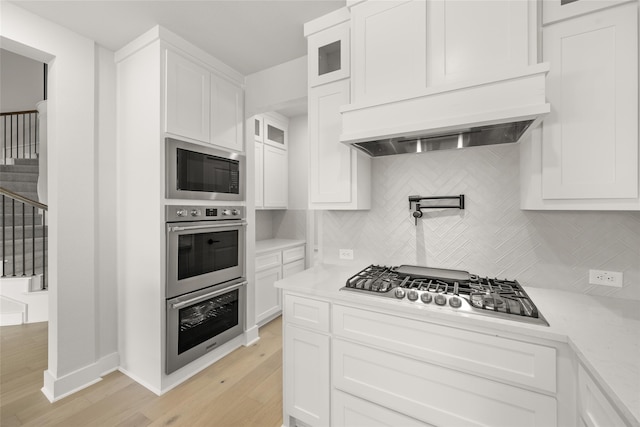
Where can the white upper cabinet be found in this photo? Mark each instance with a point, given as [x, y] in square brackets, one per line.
[340, 177]
[258, 133]
[187, 98]
[226, 114]
[556, 10]
[201, 105]
[590, 139]
[587, 155]
[329, 55]
[402, 47]
[276, 178]
[276, 132]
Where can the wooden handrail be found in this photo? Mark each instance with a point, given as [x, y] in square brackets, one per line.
[13, 113]
[23, 199]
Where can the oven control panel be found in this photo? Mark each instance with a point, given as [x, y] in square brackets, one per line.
[203, 213]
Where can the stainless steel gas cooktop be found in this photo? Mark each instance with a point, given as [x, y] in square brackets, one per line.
[454, 289]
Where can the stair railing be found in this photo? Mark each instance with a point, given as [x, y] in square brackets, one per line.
[24, 202]
[19, 130]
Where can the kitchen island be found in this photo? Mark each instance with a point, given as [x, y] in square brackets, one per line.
[349, 359]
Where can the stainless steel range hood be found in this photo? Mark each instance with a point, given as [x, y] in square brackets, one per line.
[503, 110]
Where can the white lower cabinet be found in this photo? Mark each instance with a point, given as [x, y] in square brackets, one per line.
[272, 266]
[306, 376]
[433, 394]
[350, 411]
[594, 410]
[444, 376]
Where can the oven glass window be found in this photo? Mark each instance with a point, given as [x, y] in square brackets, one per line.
[204, 253]
[203, 172]
[207, 319]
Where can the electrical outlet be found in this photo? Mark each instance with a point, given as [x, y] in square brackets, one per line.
[606, 278]
[346, 253]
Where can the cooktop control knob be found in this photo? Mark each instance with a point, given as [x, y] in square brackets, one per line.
[412, 295]
[182, 212]
[399, 293]
[440, 299]
[195, 212]
[426, 297]
[455, 302]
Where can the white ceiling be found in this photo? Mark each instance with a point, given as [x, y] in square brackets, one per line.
[247, 35]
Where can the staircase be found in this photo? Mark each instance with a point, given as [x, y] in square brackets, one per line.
[23, 286]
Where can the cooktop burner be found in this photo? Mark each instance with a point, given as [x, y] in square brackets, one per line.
[456, 289]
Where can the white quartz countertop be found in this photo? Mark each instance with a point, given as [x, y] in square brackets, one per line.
[268, 245]
[604, 332]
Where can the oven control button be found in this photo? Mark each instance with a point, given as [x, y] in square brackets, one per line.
[426, 297]
[455, 302]
[182, 212]
[440, 299]
[195, 212]
[399, 293]
[236, 212]
[412, 295]
[226, 212]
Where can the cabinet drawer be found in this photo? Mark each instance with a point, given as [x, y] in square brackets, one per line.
[310, 313]
[434, 394]
[503, 359]
[594, 408]
[293, 268]
[349, 411]
[268, 260]
[292, 254]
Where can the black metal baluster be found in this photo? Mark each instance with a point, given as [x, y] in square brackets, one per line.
[44, 246]
[13, 236]
[24, 257]
[4, 249]
[33, 241]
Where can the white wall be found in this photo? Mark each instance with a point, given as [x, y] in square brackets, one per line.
[75, 347]
[492, 236]
[276, 87]
[298, 162]
[21, 82]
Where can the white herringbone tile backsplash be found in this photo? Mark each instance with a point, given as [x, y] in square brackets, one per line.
[491, 236]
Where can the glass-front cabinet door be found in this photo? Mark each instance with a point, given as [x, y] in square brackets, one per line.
[329, 55]
[556, 10]
[276, 132]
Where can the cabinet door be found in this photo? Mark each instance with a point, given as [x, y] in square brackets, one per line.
[187, 98]
[330, 168]
[276, 186]
[329, 55]
[268, 300]
[226, 114]
[259, 173]
[258, 133]
[471, 39]
[555, 10]
[590, 139]
[293, 268]
[349, 411]
[389, 49]
[275, 133]
[593, 407]
[306, 376]
[433, 394]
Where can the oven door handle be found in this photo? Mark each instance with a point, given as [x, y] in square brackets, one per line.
[207, 296]
[202, 227]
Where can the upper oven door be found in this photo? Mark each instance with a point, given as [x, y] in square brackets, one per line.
[198, 172]
[202, 254]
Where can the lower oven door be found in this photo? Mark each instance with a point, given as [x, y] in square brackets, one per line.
[203, 320]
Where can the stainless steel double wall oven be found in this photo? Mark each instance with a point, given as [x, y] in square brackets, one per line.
[206, 285]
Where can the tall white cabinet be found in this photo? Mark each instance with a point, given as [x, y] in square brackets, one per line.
[587, 155]
[339, 177]
[271, 140]
[166, 87]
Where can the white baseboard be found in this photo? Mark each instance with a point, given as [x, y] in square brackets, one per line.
[251, 336]
[55, 389]
[140, 381]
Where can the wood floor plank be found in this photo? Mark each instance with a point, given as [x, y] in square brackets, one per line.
[242, 389]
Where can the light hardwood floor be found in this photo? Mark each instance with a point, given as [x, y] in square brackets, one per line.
[242, 389]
